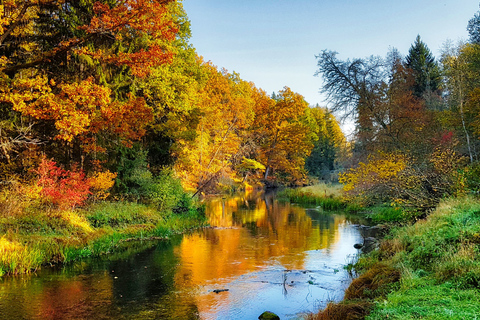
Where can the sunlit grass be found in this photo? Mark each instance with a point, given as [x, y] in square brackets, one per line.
[33, 234]
[324, 190]
[324, 195]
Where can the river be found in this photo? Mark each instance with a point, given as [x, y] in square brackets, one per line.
[260, 254]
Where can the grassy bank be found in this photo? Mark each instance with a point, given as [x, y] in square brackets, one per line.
[33, 235]
[437, 261]
[327, 196]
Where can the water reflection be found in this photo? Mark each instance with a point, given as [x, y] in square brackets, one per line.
[268, 254]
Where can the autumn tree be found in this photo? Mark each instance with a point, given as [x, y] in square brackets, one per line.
[226, 111]
[68, 69]
[459, 84]
[173, 91]
[284, 133]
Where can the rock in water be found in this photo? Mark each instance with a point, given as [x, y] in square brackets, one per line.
[220, 290]
[267, 315]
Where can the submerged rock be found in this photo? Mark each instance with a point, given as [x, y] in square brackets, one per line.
[267, 315]
[220, 290]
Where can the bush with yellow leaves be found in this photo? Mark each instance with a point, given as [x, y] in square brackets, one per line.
[399, 180]
[100, 183]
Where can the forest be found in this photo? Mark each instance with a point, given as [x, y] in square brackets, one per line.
[111, 124]
[98, 88]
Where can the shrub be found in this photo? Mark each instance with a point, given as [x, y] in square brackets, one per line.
[64, 188]
[401, 181]
[100, 183]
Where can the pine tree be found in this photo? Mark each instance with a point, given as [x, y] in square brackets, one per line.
[424, 68]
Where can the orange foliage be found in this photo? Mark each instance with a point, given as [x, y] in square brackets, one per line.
[81, 110]
[282, 131]
[227, 109]
[140, 17]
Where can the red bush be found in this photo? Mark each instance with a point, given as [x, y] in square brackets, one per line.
[64, 188]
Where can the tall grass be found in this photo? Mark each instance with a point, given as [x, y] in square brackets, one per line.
[438, 263]
[326, 196]
[33, 234]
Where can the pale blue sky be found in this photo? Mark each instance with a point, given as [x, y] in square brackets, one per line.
[274, 42]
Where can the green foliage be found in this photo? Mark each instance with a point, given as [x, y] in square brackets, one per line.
[132, 172]
[472, 177]
[473, 28]
[163, 191]
[425, 70]
[330, 139]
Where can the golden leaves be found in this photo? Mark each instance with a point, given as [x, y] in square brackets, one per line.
[80, 110]
[378, 170]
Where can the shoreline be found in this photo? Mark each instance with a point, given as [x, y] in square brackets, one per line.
[56, 237]
[428, 269]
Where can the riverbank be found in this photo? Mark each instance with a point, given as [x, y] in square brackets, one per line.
[33, 236]
[327, 196]
[429, 270]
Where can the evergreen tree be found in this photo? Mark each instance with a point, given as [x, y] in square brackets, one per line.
[473, 28]
[424, 68]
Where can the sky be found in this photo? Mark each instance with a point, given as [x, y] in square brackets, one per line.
[273, 43]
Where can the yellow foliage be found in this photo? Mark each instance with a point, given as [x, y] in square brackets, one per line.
[445, 160]
[76, 220]
[101, 182]
[378, 169]
[32, 192]
[7, 246]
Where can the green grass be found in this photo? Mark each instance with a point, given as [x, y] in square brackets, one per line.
[33, 235]
[386, 213]
[437, 258]
[426, 299]
[323, 195]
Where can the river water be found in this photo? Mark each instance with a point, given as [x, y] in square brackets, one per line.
[270, 255]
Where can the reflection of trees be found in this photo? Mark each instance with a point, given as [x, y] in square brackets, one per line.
[214, 257]
[293, 229]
